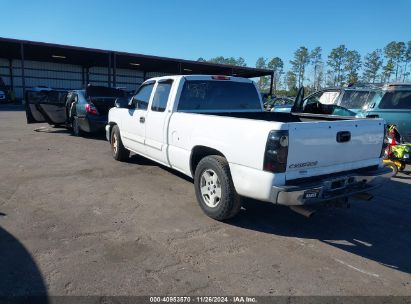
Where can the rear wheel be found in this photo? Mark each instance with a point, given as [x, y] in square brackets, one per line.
[76, 127]
[118, 150]
[214, 188]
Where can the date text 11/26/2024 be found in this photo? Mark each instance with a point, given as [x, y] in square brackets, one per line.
[204, 299]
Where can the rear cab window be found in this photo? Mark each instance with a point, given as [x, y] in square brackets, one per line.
[218, 95]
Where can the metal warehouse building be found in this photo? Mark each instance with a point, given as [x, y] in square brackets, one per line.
[26, 64]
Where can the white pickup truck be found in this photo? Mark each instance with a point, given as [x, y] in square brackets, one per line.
[214, 129]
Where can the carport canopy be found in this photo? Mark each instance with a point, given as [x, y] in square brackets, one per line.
[89, 57]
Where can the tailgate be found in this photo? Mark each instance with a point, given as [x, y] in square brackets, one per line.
[317, 148]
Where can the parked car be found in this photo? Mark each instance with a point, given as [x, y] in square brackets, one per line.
[3, 97]
[324, 97]
[87, 110]
[391, 101]
[215, 130]
[82, 110]
[274, 101]
[280, 103]
[323, 102]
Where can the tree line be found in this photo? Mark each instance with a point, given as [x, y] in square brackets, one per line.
[342, 66]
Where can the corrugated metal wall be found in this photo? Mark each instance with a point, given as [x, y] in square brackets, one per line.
[65, 76]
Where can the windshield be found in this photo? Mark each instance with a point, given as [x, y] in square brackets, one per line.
[356, 99]
[323, 97]
[211, 95]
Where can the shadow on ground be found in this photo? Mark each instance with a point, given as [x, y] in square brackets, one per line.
[19, 275]
[66, 130]
[378, 230]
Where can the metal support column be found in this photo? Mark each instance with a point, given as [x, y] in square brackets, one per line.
[109, 71]
[23, 79]
[271, 84]
[11, 74]
[82, 77]
[114, 70]
[87, 76]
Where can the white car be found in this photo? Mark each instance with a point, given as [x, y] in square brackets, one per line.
[214, 129]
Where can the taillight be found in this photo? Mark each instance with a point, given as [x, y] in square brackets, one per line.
[91, 109]
[220, 77]
[385, 142]
[276, 152]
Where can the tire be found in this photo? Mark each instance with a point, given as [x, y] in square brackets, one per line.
[70, 113]
[393, 167]
[76, 127]
[214, 188]
[118, 150]
[402, 167]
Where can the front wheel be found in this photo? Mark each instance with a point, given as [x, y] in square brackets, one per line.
[214, 188]
[118, 150]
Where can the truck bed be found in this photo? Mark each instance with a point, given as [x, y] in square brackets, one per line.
[278, 116]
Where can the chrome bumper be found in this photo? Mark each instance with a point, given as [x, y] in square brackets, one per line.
[328, 189]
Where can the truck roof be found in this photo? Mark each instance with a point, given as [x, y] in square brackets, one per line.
[202, 77]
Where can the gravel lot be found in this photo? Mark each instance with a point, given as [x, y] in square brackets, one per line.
[75, 222]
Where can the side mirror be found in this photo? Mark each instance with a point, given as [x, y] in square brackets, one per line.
[121, 102]
[299, 100]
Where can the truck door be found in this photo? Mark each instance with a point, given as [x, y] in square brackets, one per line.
[157, 120]
[133, 122]
[46, 106]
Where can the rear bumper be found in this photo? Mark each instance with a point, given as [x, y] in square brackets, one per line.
[328, 189]
[93, 124]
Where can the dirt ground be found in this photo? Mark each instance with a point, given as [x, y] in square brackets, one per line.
[75, 222]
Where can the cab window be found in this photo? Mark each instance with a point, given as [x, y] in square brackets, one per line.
[141, 99]
[161, 95]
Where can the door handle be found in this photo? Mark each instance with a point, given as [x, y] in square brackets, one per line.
[142, 119]
[343, 136]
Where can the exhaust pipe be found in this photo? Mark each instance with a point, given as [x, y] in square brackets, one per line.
[302, 210]
[364, 196]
